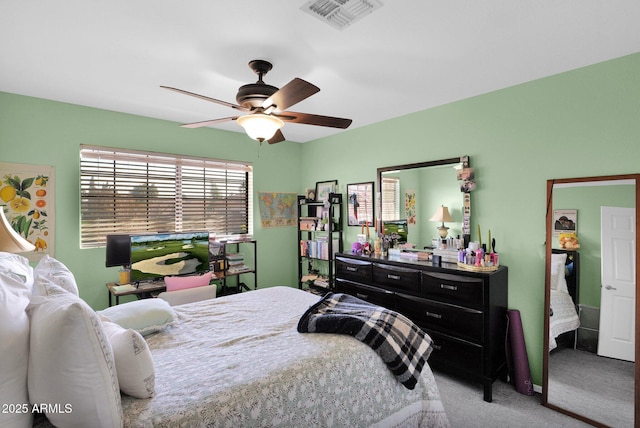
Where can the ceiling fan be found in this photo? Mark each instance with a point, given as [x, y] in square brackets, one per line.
[265, 106]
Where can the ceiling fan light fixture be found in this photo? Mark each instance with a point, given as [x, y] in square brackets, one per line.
[260, 126]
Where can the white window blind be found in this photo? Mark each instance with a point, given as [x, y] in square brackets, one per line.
[125, 191]
[390, 198]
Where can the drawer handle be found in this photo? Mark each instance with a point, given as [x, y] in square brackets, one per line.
[362, 296]
[433, 315]
[396, 277]
[352, 269]
[449, 287]
[436, 347]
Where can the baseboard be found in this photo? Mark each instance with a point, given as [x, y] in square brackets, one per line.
[537, 388]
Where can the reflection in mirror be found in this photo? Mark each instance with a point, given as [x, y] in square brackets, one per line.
[590, 300]
[415, 192]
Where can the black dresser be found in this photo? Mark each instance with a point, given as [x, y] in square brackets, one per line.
[464, 312]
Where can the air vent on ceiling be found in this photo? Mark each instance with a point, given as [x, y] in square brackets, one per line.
[340, 13]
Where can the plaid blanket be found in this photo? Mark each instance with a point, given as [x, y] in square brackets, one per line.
[401, 344]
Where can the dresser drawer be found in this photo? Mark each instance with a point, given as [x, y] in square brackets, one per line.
[397, 277]
[358, 270]
[456, 289]
[452, 353]
[370, 294]
[455, 320]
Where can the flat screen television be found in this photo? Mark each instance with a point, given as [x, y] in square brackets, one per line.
[118, 250]
[399, 227]
[168, 254]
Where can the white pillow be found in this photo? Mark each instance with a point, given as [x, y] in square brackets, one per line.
[16, 280]
[134, 364]
[46, 287]
[71, 363]
[54, 270]
[145, 316]
[558, 279]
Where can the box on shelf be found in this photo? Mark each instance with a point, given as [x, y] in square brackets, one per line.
[447, 255]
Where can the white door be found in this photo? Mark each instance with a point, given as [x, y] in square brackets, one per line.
[618, 290]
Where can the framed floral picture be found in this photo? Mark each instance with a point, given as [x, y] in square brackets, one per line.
[323, 188]
[26, 193]
[360, 204]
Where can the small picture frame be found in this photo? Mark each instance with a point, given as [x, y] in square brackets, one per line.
[565, 221]
[360, 203]
[323, 188]
[310, 194]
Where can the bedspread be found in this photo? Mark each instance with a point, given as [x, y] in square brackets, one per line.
[238, 361]
[563, 316]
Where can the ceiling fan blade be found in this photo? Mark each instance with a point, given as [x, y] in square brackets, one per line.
[290, 94]
[314, 119]
[208, 122]
[277, 137]
[202, 97]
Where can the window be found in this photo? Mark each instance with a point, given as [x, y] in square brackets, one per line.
[390, 198]
[124, 191]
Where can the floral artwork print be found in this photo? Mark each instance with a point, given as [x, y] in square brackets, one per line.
[26, 193]
[410, 207]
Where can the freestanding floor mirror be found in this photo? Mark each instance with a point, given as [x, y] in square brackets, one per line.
[591, 373]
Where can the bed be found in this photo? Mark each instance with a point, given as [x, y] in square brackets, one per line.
[234, 361]
[244, 360]
[564, 319]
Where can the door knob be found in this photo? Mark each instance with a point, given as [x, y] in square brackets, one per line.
[608, 287]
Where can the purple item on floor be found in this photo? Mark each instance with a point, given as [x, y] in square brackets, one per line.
[516, 349]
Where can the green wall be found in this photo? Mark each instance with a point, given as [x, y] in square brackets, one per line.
[580, 123]
[37, 131]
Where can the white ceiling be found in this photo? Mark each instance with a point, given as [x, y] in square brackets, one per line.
[407, 56]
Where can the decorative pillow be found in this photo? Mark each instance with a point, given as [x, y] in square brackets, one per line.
[16, 280]
[56, 271]
[71, 363]
[558, 280]
[145, 316]
[175, 283]
[134, 364]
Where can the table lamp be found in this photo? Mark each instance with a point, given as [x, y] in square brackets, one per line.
[442, 215]
[10, 241]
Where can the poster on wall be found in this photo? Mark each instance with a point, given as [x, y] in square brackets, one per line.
[26, 195]
[278, 209]
[565, 221]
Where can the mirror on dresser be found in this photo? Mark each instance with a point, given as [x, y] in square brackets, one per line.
[428, 186]
[589, 369]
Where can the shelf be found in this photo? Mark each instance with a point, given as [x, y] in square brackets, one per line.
[224, 274]
[319, 242]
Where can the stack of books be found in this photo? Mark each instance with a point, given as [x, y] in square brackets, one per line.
[235, 263]
[319, 248]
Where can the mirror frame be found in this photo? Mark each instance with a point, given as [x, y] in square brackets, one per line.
[547, 295]
[450, 161]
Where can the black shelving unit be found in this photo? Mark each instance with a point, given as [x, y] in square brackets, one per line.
[318, 245]
[227, 273]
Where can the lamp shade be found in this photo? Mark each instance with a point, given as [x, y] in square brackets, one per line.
[441, 214]
[260, 126]
[10, 241]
